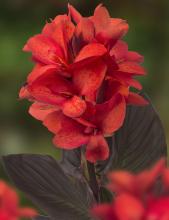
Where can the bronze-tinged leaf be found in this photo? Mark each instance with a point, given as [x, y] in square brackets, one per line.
[71, 161]
[47, 185]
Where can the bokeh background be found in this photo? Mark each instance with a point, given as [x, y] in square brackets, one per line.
[20, 19]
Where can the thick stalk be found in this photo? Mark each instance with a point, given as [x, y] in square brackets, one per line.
[93, 180]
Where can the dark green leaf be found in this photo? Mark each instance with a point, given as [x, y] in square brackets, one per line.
[45, 182]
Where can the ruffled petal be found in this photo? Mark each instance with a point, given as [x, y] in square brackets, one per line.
[132, 68]
[104, 211]
[27, 212]
[76, 16]
[110, 115]
[134, 83]
[74, 107]
[63, 33]
[119, 50]
[126, 80]
[89, 78]
[100, 18]
[114, 31]
[121, 26]
[40, 110]
[135, 99]
[53, 121]
[48, 29]
[69, 133]
[24, 93]
[134, 57]
[97, 149]
[44, 49]
[158, 208]
[108, 30]
[85, 31]
[91, 50]
[51, 88]
[146, 179]
[121, 53]
[9, 198]
[128, 207]
[39, 70]
[121, 181]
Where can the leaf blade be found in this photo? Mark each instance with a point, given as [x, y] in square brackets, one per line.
[45, 183]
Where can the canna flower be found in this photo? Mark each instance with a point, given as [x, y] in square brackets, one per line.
[136, 195]
[9, 205]
[83, 74]
[89, 129]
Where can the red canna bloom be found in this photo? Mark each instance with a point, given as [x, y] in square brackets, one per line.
[88, 129]
[82, 75]
[9, 205]
[136, 196]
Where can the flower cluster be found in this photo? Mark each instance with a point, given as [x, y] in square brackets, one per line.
[144, 196]
[81, 81]
[9, 205]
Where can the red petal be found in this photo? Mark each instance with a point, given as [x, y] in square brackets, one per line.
[100, 18]
[132, 68]
[126, 80]
[128, 207]
[91, 50]
[136, 99]
[24, 93]
[88, 79]
[121, 53]
[115, 118]
[97, 149]
[85, 122]
[63, 32]
[158, 209]
[121, 181]
[74, 107]
[115, 29]
[134, 57]
[85, 31]
[40, 111]
[87, 118]
[74, 13]
[70, 140]
[27, 212]
[165, 178]
[119, 50]
[9, 198]
[113, 87]
[53, 121]
[146, 180]
[48, 29]
[134, 83]
[69, 133]
[44, 49]
[51, 88]
[39, 70]
[110, 115]
[121, 26]
[104, 211]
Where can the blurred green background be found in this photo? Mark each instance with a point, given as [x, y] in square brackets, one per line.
[20, 19]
